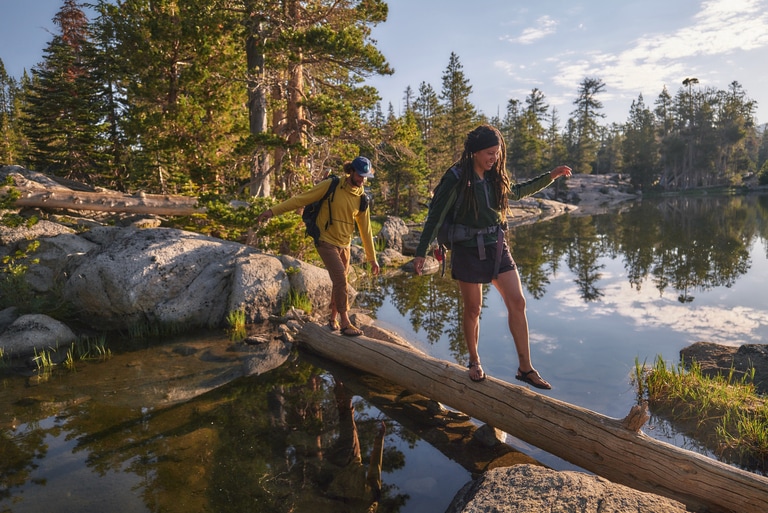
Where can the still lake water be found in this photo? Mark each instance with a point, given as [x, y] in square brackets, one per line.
[603, 292]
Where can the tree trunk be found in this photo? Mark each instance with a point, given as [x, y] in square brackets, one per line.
[257, 111]
[295, 121]
[612, 448]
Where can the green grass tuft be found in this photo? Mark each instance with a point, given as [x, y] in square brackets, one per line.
[724, 410]
[236, 323]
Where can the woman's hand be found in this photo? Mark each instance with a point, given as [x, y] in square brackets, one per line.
[418, 264]
[375, 267]
[560, 171]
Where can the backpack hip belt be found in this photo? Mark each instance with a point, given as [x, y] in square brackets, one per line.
[463, 233]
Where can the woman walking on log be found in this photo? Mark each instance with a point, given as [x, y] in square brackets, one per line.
[474, 194]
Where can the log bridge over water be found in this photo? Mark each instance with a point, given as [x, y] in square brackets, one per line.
[615, 449]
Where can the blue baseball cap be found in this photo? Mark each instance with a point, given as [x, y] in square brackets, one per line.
[363, 167]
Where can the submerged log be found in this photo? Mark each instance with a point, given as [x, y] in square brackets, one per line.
[594, 442]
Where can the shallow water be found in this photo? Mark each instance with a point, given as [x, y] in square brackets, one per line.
[130, 434]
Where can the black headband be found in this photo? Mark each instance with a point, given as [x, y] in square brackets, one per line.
[481, 139]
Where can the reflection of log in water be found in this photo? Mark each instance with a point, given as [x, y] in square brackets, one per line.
[612, 448]
[450, 432]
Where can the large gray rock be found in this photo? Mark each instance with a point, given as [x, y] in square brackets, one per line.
[259, 283]
[392, 231]
[7, 316]
[531, 489]
[312, 281]
[13, 238]
[122, 277]
[35, 332]
[53, 255]
[160, 275]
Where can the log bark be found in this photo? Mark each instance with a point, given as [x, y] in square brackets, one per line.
[62, 198]
[593, 441]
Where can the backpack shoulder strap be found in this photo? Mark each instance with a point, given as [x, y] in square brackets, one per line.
[330, 193]
[454, 198]
[332, 186]
[448, 212]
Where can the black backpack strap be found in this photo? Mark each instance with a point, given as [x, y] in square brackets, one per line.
[330, 195]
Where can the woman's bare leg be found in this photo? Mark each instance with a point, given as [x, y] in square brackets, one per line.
[472, 298]
[511, 289]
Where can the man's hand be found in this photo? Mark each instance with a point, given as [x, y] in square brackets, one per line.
[265, 216]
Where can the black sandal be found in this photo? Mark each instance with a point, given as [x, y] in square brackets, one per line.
[476, 365]
[525, 377]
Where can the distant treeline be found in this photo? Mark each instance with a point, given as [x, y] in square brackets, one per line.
[263, 97]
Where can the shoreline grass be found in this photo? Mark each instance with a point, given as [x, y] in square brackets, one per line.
[237, 325]
[724, 411]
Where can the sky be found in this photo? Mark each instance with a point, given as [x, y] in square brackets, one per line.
[509, 47]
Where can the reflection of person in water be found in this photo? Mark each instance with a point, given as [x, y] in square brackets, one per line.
[359, 489]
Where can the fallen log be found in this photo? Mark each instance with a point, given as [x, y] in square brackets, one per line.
[594, 442]
[156, 204]
[452, 433]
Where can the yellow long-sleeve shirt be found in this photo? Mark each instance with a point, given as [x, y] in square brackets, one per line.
[345, 205]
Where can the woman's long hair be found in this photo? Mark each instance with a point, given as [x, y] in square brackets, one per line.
[497, 175]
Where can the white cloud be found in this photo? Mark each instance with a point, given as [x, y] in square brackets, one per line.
[654, 60]
[545, 26]
[645, 310]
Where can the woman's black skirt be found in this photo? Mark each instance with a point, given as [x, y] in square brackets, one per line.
[466, 265]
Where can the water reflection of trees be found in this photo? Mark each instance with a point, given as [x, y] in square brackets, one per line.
[18, 452]
[292, 440]
[431, 303]
[680, 245]
[684, 244]
[299, 443]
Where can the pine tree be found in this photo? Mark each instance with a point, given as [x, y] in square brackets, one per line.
[640, 149]
[528, 150]
[315, 54]
[735, 119]
[62, 101]
[664, 113]
[609, 153]
[585, 118]
[556, 151]
[459, 113]
[108, 76]
[427, 111]
[10, 151]
[178, 69]
[403, 163]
